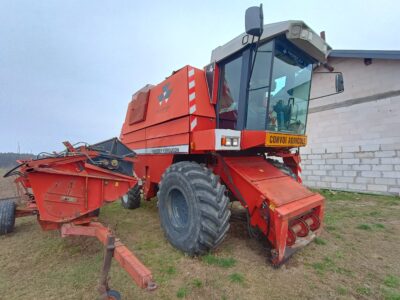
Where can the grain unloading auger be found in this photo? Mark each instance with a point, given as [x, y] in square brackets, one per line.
[66, 190]
[232, 132]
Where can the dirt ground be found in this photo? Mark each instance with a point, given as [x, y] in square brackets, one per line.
[357, 257]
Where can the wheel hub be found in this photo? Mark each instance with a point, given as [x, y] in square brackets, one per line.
[178, 209]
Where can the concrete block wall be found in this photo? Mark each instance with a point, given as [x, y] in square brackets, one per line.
[374, 169]
[355, 145]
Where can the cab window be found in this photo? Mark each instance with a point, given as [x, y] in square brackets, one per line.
[259, 88]
[229, 93]
[291, 81]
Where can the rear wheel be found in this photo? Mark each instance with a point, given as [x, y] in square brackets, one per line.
[193, 208]
[131, 200]
[7, 216]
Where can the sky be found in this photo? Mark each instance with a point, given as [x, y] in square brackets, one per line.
[68, 68]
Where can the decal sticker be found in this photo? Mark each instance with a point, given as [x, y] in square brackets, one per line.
[273, 139]
[166, 93]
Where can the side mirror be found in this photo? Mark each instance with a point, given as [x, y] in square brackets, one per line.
[339, 83]
[254, 20]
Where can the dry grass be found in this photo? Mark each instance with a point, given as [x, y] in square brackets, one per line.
[356, 257]
[7, 188]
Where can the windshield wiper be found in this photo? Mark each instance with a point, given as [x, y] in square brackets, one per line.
[259, 88]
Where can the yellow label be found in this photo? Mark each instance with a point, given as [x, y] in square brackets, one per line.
[273, 139]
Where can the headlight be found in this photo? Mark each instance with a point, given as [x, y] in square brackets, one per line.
[235, 142]
[229, 141]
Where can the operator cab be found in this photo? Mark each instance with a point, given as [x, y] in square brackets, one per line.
[265, 84]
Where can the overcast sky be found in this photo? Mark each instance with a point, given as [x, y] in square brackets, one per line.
[68, 68]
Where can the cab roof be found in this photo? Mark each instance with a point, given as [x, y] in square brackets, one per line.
[295, 31]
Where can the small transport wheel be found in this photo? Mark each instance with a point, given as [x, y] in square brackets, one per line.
[254, 232]
[95, 213]
[7, 216]
[113, 295]
[193, 208]
[131, 200]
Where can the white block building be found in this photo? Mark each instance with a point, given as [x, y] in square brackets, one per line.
[354, 137]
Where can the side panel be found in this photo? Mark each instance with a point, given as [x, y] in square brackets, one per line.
[203, 140]
[136, 136]
[64, 193]
[183, 93]
[176, 107]
[199, 99]
[169, 141]
[150, 168]
[167, 101]
[252, 138]
[201, 123]
[136, 145]
[172, 133]
[173, 127]
[275, 201]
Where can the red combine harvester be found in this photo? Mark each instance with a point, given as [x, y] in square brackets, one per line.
[66, 190]
[231, 132]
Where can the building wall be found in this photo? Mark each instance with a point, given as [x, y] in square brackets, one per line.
[354, 137]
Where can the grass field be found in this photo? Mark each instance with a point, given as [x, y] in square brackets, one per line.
[7, 188]
[357, 257]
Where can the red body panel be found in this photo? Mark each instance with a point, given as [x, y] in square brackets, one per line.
[173, 127]
[177, 139]
[177, 106]
[164, 105]
[259, 186]
[203, 123]
[67, 188]
[186, 125]
[170, 118]
[150, 168]
[252, 138]
[203, 140]
[64, 190]
[201, 99]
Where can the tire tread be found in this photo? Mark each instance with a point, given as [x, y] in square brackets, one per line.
[212, 202]
[7, 216]
[134, 197]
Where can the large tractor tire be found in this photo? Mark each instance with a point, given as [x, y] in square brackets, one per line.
[131, 200]
[193, 208]
[7, 216]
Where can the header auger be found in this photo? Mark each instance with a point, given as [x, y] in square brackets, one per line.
[66, 191]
